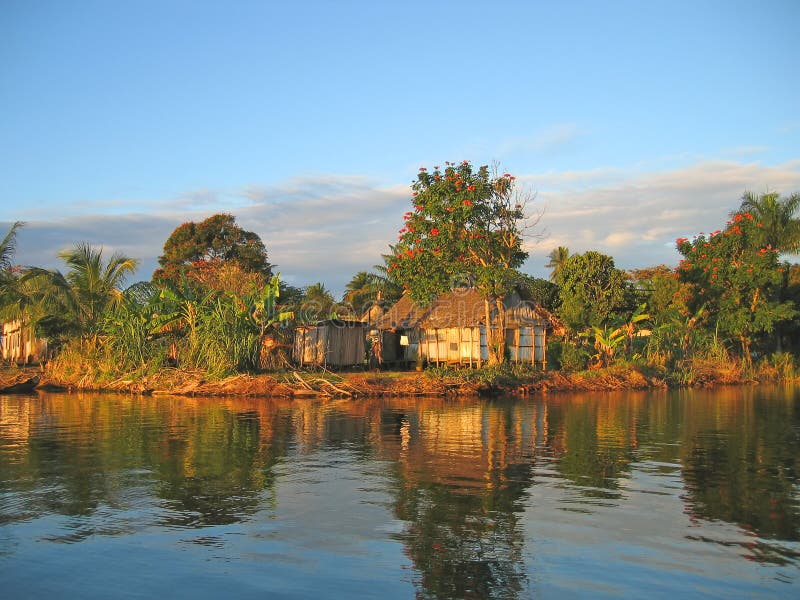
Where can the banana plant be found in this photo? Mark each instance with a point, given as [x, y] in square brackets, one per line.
[263, 306]
[180, 310]
[606, 341]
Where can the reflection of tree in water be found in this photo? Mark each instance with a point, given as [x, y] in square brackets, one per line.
[741, 463]
[218, 472]
[594, 438]
[462, 476]
[212, 461]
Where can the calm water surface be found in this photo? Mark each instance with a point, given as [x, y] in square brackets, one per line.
[690, 494]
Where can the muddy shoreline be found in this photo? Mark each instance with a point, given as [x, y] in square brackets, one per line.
[324, 384]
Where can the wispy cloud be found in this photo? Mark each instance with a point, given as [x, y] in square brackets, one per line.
[326, 228]
[550, 140]
[745, 151]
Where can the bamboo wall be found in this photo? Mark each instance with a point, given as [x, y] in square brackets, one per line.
[468, 345]
[20, 344]
[329, 345]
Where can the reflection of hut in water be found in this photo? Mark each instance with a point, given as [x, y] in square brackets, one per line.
[20, 344]
[463, 473]
[452, 330]
[330, 343]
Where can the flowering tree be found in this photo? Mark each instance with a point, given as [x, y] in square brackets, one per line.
[465, 228]
[737, 279]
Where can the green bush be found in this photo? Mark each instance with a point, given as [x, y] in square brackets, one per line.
[567, 356]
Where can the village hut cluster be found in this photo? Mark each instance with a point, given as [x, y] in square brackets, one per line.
[452, 330]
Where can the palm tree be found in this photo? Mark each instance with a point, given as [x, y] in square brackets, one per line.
[777, 215]
[8, 246]
[558, 258]
[90, 287]
[365, 289]
[317, 303]
[9, 282]
[360, 290]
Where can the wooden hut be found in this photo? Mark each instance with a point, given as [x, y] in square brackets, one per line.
[452, 330]
[330, 343]
[20, 344]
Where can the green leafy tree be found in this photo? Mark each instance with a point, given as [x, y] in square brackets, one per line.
[198, 251]
[539, 291]
[737, 280]
[660, 289]
[465, 227]
[558, 258]
[593, 291]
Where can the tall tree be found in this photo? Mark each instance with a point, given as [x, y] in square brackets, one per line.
[592, 291]
[211, 252]
[558, 258]
[466, 226]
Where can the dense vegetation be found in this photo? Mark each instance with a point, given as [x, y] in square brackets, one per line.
[728, 312]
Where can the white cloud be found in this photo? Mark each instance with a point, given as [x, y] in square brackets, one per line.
[636, 219]
[326, 228]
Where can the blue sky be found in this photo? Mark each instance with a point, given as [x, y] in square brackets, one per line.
[633, 122]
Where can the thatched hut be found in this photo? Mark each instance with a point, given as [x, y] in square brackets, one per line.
[452, 330]
[330, 343]
[20, 344]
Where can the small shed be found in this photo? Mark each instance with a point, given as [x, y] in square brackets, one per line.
[330, 343]
[452, 330]
[20, 344]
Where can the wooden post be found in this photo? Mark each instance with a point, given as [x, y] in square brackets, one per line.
[460, 351]
[544, 348]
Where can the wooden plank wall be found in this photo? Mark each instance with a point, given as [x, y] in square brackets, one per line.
[468, 345]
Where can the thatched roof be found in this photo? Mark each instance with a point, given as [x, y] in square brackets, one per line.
[338, 323]
[462, 308]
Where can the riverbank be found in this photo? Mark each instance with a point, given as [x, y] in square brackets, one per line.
[489, 381]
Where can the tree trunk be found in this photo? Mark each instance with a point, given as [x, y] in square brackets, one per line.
[501, 328]
[746, 351]
[488, 324]
[491, 333]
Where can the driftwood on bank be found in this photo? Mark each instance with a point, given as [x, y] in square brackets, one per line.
[18, 383]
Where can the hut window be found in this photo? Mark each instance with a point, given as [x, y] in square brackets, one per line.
[404, 340]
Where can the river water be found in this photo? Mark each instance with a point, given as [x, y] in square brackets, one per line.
[657, 494]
